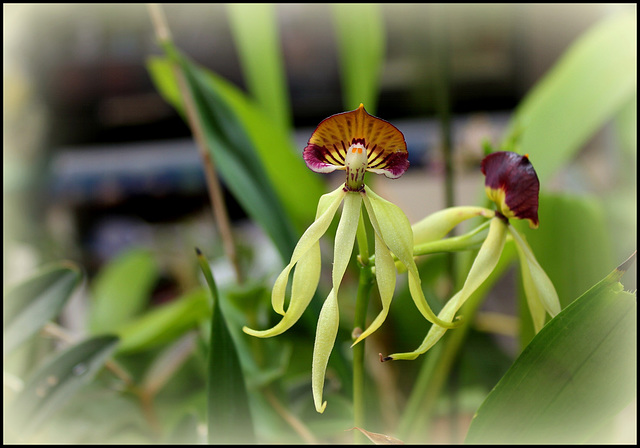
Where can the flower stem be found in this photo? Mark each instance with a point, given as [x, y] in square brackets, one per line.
[163, 34]
[436, 368]
[470, 240]
[365, 283]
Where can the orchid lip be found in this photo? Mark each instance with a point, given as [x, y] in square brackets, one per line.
[512, 183]
[382, 145]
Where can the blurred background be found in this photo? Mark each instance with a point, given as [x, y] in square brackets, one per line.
[95, 160]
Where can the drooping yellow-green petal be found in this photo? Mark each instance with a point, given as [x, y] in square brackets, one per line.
[536, 309]
[393, 227]
[307, 260]
[303, 287]
[345, 237]
[329, 318]
[537, 285]
[482, 267]
[327, 207]
[386, 280]
[325, 338]
[438, 224]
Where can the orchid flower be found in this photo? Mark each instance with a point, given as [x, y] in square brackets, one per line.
[356, 143]
[512, 184]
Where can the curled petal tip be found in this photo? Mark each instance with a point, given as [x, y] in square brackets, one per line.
[320, 409]
[360, 338]
[385, 358]
[258, 333]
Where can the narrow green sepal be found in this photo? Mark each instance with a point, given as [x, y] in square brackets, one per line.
[482, 267]
[438, 224]
[540, 292]
[325, 338]
[392, 225]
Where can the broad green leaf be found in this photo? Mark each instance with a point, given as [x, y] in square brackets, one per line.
[255, 34]
[626, 126]
[241, 304]
[228, 414]
[165, 323]
[571, 244]
[577, 373]
[121, 290]
[167, 362]
[298, 188]
[234, 155]
[54, 384]
[37, 300]
[592, 81]
[360, 34]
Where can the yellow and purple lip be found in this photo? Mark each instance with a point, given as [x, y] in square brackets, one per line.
[357, 142]
[512, 183]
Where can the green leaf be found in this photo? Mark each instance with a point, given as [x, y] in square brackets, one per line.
[256, 36]
[577, 373]
[54, 384]
[121, 290]
[626, 130]
[228, 414]
[234, 155]
[165, 323]
[360, 34]
[593, 80]
[37, 300]
[297, 187]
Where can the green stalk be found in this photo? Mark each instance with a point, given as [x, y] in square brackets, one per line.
[214, 187]
[436, 369]
[470, 240]
[434, 373]
[442, 77]
[365, 283]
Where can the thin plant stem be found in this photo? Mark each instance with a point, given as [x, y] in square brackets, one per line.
[54, 330]
[443, 106]
[363, 243]
[216, 197]
[420, 390]
[432, 377]
[365, 283]
[436, 369]
[290, 418]
[470, 240]
[145, 398]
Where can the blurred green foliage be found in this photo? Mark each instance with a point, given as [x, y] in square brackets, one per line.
[159, 359]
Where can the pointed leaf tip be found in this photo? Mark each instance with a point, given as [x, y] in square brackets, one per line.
[378, 439]
[627, 263]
